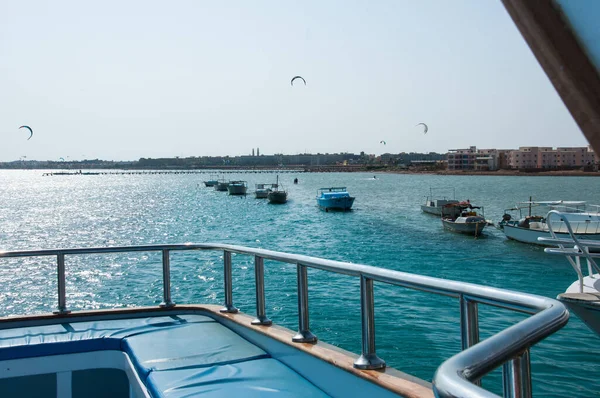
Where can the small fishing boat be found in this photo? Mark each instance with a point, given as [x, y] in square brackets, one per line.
[261, 191]
[468, 220]
[278, 195]
[221, 185]
[237, 187]
[434, 206]
[214, 180]
[529, 222]
[334, 198]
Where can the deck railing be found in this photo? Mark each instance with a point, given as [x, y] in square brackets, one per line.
[459, 376]
[576, 249]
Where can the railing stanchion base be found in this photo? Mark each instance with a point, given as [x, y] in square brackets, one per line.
[304, 337]
[230, 309]
[369, 362]
[263, 321]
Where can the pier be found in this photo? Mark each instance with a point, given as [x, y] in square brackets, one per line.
[152, 172]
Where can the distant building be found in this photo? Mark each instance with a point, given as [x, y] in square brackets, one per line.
[468, 159]
[523, 158]
[549, 158]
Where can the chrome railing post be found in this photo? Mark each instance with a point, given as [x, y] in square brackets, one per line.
[228, 282]
[62, 293]
[368, 358]
[304, 334]
[516, 377]
[469, 325]
[259, 274]
[166, 265]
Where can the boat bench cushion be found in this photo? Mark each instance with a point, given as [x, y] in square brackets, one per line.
[72, 337]
[256, 378]
[190, 346]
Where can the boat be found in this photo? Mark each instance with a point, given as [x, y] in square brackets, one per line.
[582, 296]
[530, 224]
[434, 206]
[214, 180]
[221, 185]
[190, 349]
[334, 198]
[237, 187]
[468, 221]
[261, 191]
[278, 195]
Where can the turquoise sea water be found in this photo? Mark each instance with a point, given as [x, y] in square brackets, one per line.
[415, 331]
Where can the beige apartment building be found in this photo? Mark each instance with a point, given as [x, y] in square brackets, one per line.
[549, 158]
[523, 158]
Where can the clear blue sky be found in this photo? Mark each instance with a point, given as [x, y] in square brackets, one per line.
[127, 79]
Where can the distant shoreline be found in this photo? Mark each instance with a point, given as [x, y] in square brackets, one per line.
[323, 169]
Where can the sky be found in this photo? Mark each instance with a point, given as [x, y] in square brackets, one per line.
[120, 80]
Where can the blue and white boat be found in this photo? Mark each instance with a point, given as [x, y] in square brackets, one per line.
[214, 180]
[334, 198]
[191, 349]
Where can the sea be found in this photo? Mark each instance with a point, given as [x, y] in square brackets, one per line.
[415, 331]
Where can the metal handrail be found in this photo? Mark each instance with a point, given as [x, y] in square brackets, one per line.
[457, 377]
[573, 254]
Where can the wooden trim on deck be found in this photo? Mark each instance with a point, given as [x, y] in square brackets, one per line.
[389, 378]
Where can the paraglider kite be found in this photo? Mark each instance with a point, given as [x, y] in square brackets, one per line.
[30, 131]
[297, 77]
[383, 142]
[425, 127]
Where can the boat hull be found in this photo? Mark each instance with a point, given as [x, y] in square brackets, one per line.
[210, 183]
[342, 204]
[221, 186]
[528, 235]
[471, 228]
[585, 305]
[277, 197]
[262, 194]
[237, 189]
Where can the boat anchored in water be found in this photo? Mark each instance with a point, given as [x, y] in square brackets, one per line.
[278, 195]
[214, 180]
[434, 206]
[334, 198]
[468, 221]
[261, 191]
[237, 187]
[531, 223]
[221, 185]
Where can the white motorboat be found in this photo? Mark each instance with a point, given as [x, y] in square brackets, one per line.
[582, 296]
[530, 224]
[262, 190]
[435, 206]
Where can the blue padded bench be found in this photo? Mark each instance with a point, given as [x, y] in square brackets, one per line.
[189, 346]
[175, 356]
[250, 379]
[68, 338]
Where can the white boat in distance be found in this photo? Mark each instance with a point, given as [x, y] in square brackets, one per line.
[531, 223]
[582, 296]
[434, 206]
